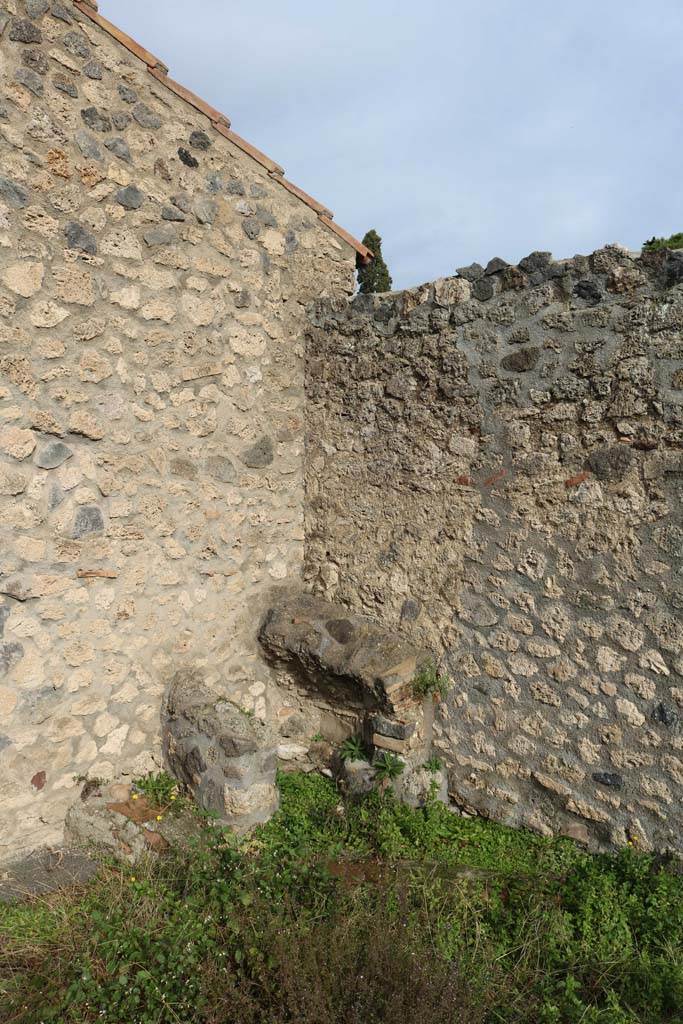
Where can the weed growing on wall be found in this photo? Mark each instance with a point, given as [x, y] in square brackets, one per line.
[429, 682]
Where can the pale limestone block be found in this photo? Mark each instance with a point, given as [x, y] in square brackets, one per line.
[74, 285]
[127, 297]
[93, 367]
[25, 279]
[16, 442]
[79, 652]
[115, 741]
[630, 712]
[47, 313]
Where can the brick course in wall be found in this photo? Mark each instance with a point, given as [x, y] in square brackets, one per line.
[495, 464]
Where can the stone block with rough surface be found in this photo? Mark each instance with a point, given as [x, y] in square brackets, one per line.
[343, 653]
[226, 758]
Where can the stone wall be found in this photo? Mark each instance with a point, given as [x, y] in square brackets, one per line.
[495, 462]
[153, 280]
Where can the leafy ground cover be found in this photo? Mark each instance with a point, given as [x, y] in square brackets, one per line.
[350, 913]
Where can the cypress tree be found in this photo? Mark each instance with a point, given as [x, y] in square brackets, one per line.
[373, 276]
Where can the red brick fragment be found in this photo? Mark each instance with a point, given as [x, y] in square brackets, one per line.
[579, 478]
[495, 478]
[39, 779]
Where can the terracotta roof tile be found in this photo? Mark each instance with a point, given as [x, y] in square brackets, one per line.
[87, 8]
[361, 249]
[256, 154]
[195, 101]
[220, 122]
[305, 198]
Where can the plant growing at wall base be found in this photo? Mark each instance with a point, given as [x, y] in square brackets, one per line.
[352, 749]
[387, 767]
[433, 765]
[159, 788]
[373, 276]
[429, 682]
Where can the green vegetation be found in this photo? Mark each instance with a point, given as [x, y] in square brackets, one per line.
[429, 681]
[159, 788]
[355, 913]
[387, 766]
[433, 764]
[672, 242]
[373, 276]
[352, 749]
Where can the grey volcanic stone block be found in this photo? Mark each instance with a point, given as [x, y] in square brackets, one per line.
[482, 290]
[78, 237]
[95, 120]
[93, 69]
[471, 273]
[36, 8]
[224, 757]
[31, 80]
[200, 140]
[495, 265]
[145, 117]
[85, 142]
[10, 655]
[335, 648]
[536, 261]
[36, 60]
[521, 361]
[221, 468]
[162, 234]
[88, 519]
[119, 147]
[205, 210]
[588, 291]
[53, 455]
[260, 454]
[60, 11]
[172, 214]
[127, 94]
[76, 44]
[130, 197]
[14, 195]
[24, 31]
[612, 462]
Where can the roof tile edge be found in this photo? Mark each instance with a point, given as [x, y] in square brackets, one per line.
[220, 122]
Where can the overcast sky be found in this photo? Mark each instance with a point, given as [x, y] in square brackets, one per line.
[460, 130]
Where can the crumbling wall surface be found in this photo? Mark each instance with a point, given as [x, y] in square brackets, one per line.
[153, 281]
[495, 461]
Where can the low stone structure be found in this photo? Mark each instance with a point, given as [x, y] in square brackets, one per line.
[110, 818]
[225, 757]
[353, 669]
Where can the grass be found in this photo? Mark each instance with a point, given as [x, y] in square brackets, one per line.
[355, 912]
